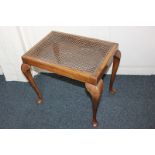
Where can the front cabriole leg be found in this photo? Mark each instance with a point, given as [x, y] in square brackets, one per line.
[26, 71]
[95, 92]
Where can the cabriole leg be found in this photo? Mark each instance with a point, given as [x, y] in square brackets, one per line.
[26, 71]
[95, 92]
[116, 61]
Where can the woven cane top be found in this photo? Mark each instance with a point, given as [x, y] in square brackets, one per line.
[75, 52]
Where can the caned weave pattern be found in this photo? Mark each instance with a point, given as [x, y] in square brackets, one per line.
[75, 52]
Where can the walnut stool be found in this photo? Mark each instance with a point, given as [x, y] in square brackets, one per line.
[76, 57]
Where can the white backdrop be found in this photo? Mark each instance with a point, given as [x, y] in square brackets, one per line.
[137, 45]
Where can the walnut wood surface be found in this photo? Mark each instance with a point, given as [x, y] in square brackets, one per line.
[95, 92]
[80, 58]
[26, 71]
[116, 61]
[72, 51]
